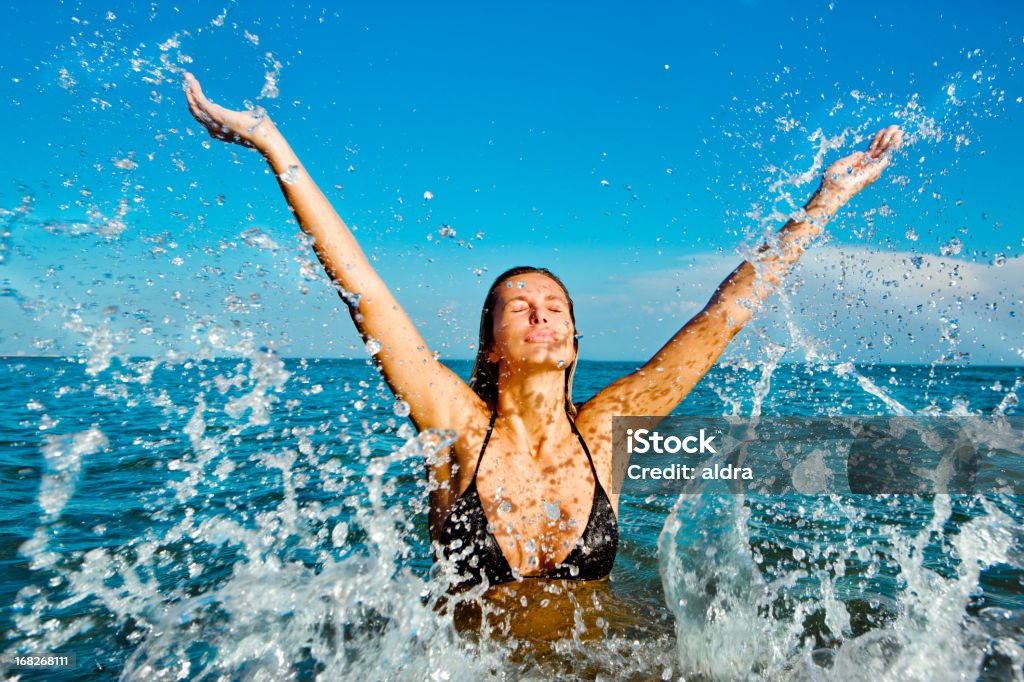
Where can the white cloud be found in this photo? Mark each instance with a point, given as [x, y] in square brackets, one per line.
[851, 302]
[906, 307]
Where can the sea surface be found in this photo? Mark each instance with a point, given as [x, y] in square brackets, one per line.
[265, 518]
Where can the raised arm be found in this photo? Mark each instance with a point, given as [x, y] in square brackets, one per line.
[437, 397]
[662, 383]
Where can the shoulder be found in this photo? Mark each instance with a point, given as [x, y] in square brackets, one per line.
[595, 427]
[594, 420]
[469, 421]
[450, 471]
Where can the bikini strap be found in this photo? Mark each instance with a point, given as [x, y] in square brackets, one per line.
[572, 424]
[586, 450]
[487, 439]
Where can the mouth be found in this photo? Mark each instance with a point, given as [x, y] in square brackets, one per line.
[541, 336]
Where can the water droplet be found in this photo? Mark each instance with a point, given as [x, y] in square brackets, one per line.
[561, 364]
[339, 534]
[505, 507]
[66, 81]
[258, 240]
[522, 285]
[552, 510]
[428, 195]
[290, 176]
[952, 247]
[401, 408]
[508, 285]
[1000, 260]
[373, 346]
[531, 545]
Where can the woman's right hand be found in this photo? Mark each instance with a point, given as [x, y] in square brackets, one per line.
[252, 129]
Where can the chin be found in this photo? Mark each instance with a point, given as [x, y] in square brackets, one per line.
[547, 358]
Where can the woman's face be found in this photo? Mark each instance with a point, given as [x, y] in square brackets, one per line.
[532, 324]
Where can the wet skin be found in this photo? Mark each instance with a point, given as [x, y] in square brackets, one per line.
[536, 494]
[533, 461]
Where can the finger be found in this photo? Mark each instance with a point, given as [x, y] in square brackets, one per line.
[897, 140]
[190, 84]
[195, 109]
[876, 143]
[892, 140]
[193, 106]
[883, 139]
[890, 133]
[196, 89]
[191, 99]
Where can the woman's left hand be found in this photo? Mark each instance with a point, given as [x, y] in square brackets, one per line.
[851, 174]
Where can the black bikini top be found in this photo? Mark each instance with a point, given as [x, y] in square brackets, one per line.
[467, 541]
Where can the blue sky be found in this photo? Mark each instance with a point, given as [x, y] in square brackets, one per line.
[634, 150]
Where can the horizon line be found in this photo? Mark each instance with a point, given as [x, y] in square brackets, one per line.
[25, 356]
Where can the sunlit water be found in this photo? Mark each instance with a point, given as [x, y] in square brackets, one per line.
[264, 518]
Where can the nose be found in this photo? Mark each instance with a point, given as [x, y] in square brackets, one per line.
[537, 316]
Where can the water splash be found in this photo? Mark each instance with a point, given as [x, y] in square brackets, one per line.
[815, 613]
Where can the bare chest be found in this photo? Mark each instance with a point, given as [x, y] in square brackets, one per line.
[537, 508]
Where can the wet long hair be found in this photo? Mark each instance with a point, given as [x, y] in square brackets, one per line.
[484, 379]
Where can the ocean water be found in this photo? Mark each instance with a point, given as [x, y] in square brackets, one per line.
[265, 518]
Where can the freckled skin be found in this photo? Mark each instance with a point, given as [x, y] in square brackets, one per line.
[533, 456]
[527, 483]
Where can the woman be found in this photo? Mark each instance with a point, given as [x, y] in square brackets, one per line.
[524, 491]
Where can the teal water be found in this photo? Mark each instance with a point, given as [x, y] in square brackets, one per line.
[265, 518]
